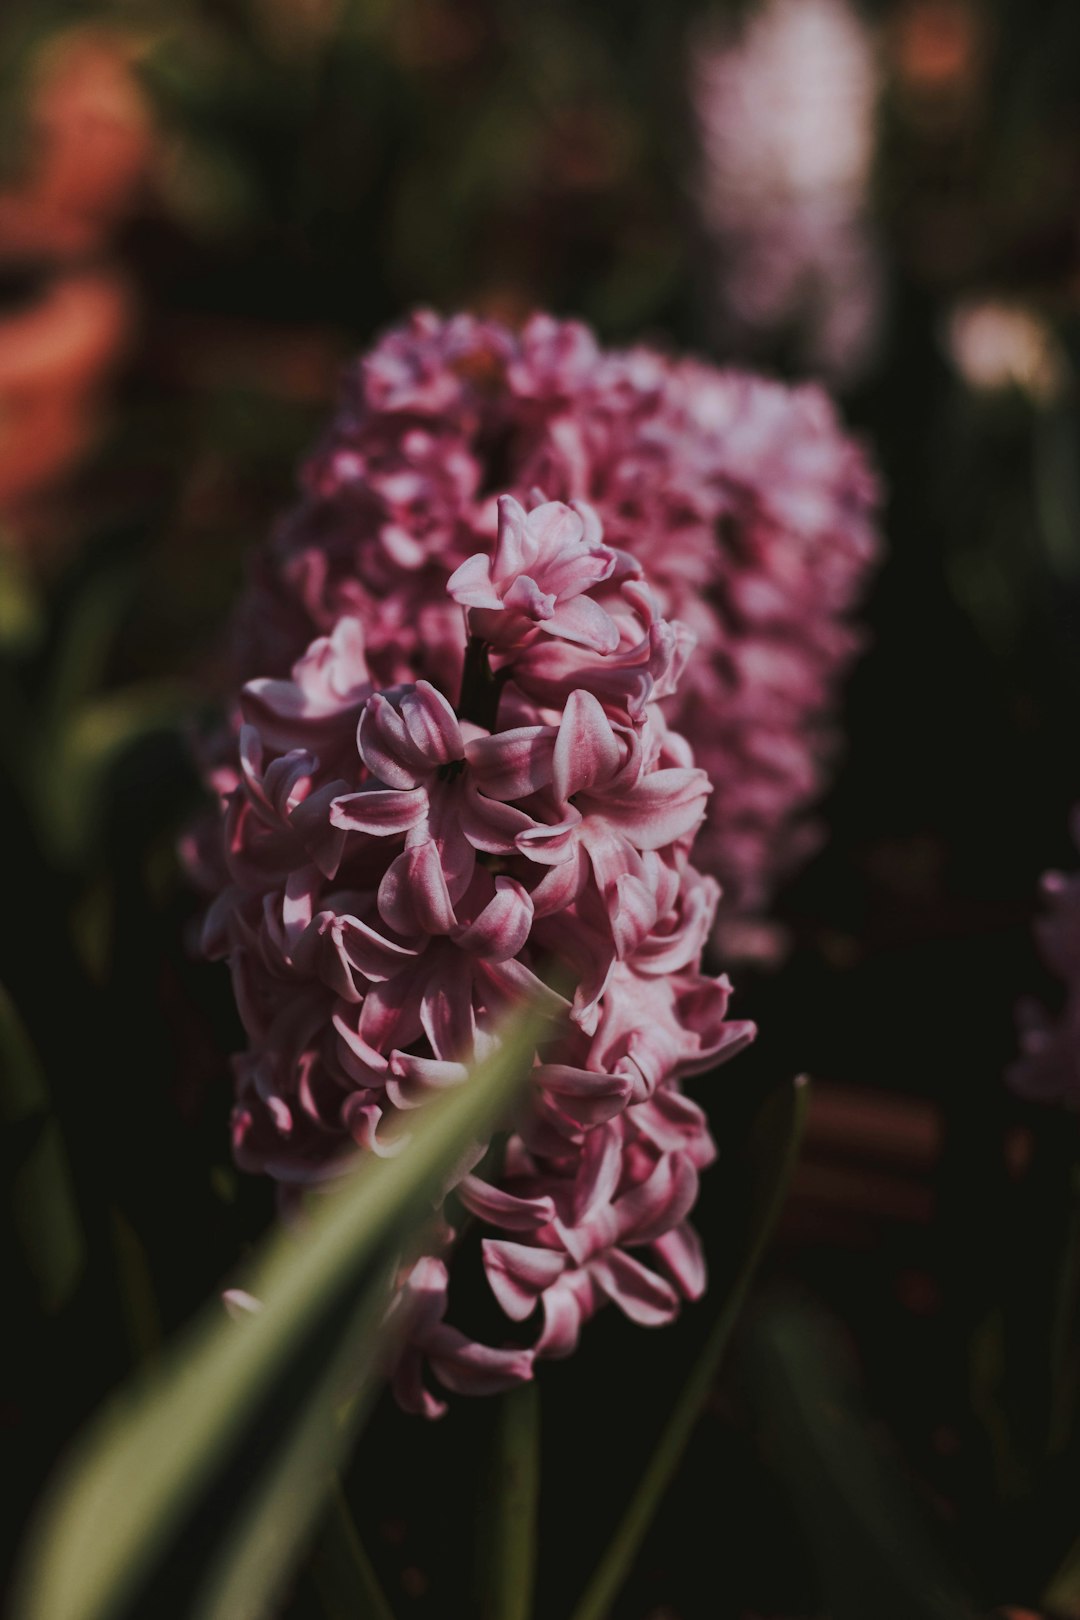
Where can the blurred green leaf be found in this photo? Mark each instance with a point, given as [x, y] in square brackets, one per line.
[86, 746]
[774, 1151]
[508, 1565]
[21, 617]
[873, 1553]
[42, 1198]
[253, 1402]
[346, 1582]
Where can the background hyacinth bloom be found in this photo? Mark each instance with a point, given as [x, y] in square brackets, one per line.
[1048, 1069]
[400, 873]
[750, 509]
[785, 107]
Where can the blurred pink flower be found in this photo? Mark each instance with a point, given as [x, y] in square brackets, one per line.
[398, 874]
[785, 106]
[750, 509]
[1048, 1069]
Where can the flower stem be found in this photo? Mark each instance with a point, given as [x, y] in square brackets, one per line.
[508, 1571]
[480, 686]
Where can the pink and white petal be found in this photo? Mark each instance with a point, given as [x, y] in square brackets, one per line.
[432, 725]
[639, 1293]
[469, 1368]
[518, 1274]
[585, 1098]
[413, 896]
[362, 1121]
[513, 763]
[371, 953]
[501, 1208]
[587, 750]
[524, 596]
[518, 985]
[379, 811]
[410, 1391]
[446, 1011]
[683, 1258]
[515, 548]
[568, 1304]
[662, 807]
[413, 1080]
[386, 747]
[583, 622]
[502, 928]
[659, 1203]
[549, 845]
[471, 585]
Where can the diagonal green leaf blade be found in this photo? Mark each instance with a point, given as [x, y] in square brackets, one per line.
[148, 1460]
[873, 1552]
[44, 1207]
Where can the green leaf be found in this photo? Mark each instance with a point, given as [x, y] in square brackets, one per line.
[873, 1553]
[187, 1444]
[508, 1571]
[89, 742]
[43, 1200]
[774, 1153]
[21, 616]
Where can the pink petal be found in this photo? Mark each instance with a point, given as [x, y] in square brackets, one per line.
[413, 897]
[639, 1293]
[502, 927]
[512, 764]
[432, 725]
[413, 1080]
[514, 549]
[584, 623]
[386, 747]
[468, 1368]
[584, 1097]
[683, 1258]
[500, 1208]
[660, 808]
[518, 1274]
[471, 586]
[587, 750]
[659, 1203]
[381, 811]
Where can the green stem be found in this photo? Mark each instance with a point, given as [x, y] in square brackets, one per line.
[480, 687]
[343, 1572]
[508, 1574]
[617, 1560]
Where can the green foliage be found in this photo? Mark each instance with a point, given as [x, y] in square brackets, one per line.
[244, 1422]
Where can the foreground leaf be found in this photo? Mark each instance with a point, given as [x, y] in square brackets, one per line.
[233, 1440]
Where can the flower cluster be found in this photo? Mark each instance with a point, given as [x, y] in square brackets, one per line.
[402, 872]
[750, 509]
[1048, 1069]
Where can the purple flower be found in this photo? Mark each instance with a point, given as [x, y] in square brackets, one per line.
[398, 876]
[744, 502]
